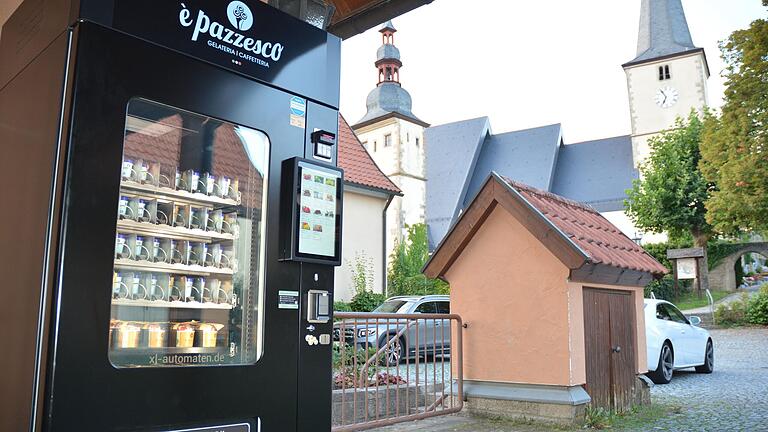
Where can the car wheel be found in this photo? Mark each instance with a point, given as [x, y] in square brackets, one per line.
[394, 352]
[709, 360]
[665, 368]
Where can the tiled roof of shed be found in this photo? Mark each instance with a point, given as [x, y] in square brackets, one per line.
[599, 239]
[359, 168]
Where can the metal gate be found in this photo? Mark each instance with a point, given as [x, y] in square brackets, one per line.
[390, 368]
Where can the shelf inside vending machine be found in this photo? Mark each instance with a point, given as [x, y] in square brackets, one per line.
[188, 268]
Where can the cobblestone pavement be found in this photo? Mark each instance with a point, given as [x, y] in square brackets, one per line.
[733, 398]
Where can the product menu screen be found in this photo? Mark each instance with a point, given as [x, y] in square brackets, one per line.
[317, 212]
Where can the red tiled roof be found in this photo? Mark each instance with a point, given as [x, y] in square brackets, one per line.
[229, 157]
[359, 168]
[599, 239]
[163, 148]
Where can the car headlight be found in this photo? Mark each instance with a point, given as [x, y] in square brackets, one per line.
[364, 333]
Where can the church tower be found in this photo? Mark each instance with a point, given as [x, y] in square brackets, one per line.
[669, 75]
[394, 137]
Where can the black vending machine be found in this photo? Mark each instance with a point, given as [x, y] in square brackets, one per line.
[170, 219]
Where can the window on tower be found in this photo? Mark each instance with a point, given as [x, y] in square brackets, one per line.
[417, 141]
[664, 73]
[365, 145]
[388, 140]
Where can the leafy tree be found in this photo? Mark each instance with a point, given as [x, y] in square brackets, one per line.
[671, 192]
[735, 144]
[408, 258]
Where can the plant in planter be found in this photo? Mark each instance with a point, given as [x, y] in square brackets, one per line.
[386, 378]
[348, 365]
[348, 369]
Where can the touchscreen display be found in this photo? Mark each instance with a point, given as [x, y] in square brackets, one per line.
[317, 211]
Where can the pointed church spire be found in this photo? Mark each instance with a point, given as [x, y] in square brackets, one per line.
[663, 30]
[388, 26]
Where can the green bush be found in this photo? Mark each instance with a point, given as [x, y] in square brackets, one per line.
[664, 288]
[659, 251]
[366, 301]
[734, 313]
[341, 306]
[404, 275]
[348, 366]
[757, 308]
[421, 285]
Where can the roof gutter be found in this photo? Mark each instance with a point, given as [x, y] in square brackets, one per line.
[372, 189]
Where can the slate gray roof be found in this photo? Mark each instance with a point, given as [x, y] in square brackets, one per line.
[388, 26]
[451, 154]
[460, 157]
[528, 156]
[663, 30]
[386, 99]
[387, 51]
[596, 173]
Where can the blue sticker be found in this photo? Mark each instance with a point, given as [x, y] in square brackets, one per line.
[298, 106]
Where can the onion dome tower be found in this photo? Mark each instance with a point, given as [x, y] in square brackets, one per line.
[389, 98]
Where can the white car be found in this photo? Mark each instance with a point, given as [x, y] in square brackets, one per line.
[675, 342]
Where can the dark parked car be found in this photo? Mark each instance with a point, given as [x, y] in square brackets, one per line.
[430, 336]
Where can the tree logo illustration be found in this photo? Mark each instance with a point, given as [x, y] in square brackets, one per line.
[240, 15]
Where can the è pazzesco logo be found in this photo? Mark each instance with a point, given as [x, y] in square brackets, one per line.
[226, 39]
[240, 15]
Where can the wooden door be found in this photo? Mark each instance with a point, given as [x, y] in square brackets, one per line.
[609, 323]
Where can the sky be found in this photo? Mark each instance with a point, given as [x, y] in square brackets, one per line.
[528, 64]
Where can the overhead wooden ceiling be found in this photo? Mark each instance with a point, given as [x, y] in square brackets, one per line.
[356, 16]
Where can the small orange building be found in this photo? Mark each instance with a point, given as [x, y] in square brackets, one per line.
[552, 294]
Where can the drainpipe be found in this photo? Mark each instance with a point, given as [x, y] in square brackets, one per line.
[384, 243]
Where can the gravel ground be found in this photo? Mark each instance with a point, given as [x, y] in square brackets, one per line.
[428, 372]
[733, 398]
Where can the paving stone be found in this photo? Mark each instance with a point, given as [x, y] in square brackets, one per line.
[733, 398]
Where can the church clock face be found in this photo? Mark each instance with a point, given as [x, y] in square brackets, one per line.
[666, 97]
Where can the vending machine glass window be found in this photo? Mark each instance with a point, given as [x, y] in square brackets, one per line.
[189, 249]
